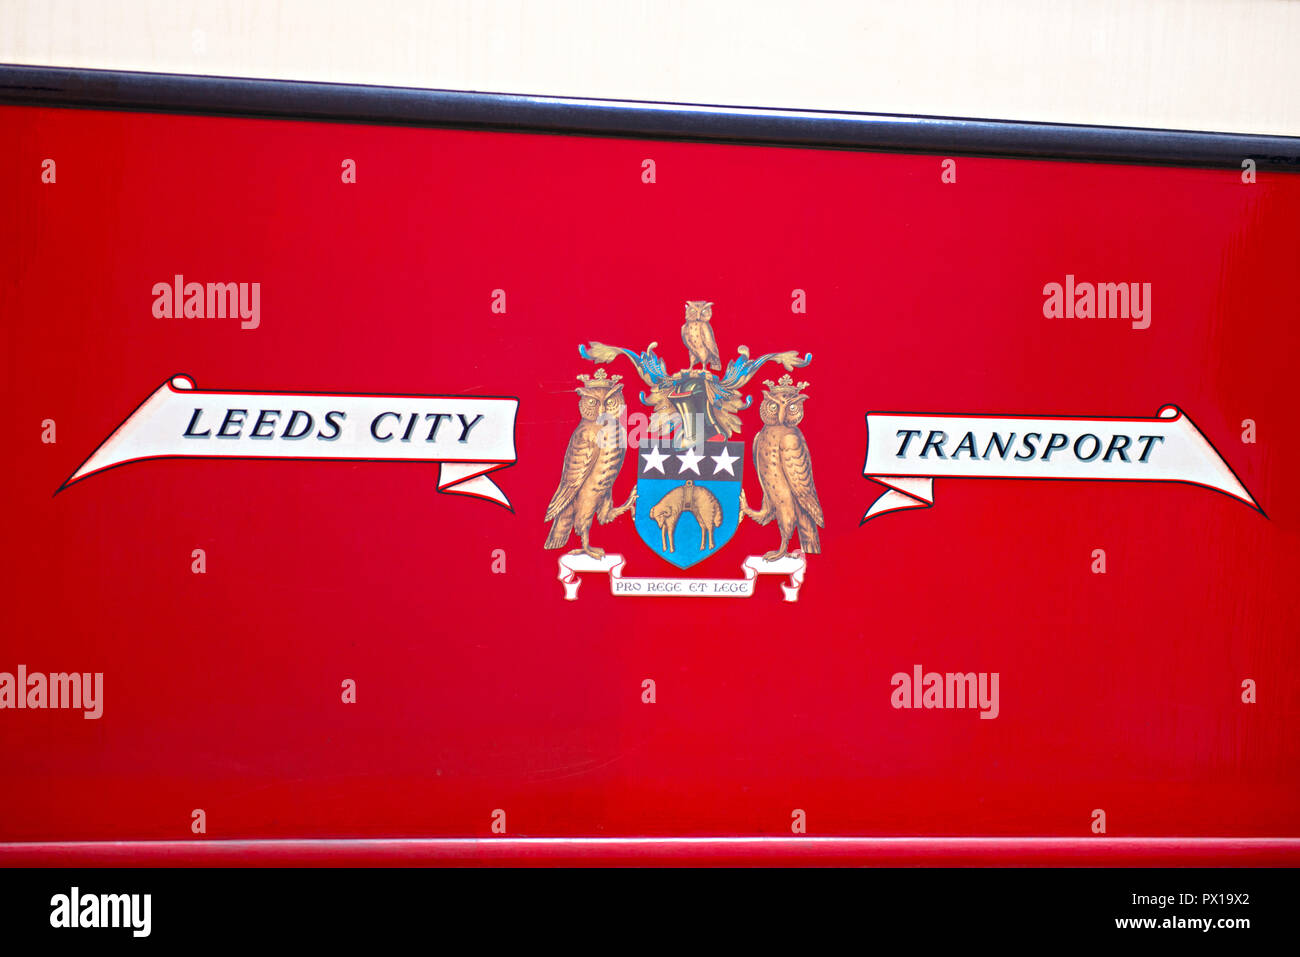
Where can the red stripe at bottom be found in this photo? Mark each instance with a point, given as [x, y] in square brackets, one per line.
[704, 851]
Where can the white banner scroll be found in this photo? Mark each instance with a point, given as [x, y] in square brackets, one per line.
[907, 451]
[793, 564]
[469, 436]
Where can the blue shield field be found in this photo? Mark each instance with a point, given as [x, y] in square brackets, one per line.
[688, 500]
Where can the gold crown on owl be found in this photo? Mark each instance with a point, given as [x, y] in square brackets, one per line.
[784, 387]
[601, 378]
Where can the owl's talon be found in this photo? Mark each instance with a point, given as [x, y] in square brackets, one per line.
[628, 506]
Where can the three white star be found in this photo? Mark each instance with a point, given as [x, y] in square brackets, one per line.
[724, 462]
[655, 460]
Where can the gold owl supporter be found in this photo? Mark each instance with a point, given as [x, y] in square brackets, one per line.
[785, 470]
[591, 464]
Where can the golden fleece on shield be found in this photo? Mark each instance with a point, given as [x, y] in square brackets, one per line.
[692, 498]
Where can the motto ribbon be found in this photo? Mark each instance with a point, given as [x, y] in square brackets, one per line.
[793, 564]
[469, 436]
[908, 451]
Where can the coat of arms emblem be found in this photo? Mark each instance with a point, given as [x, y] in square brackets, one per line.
[690, 455]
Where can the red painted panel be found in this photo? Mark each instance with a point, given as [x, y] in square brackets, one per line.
[479, 691]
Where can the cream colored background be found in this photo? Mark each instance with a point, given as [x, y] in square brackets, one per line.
[1230, 65]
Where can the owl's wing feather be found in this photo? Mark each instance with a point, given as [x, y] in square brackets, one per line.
[797, 466]
[579, 462]
[711, 346]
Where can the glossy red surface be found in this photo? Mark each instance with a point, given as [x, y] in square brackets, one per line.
[480, 691]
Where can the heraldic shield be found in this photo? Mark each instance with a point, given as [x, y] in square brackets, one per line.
[688, 499]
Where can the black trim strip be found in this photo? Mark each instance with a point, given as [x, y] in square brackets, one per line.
[284, 99]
